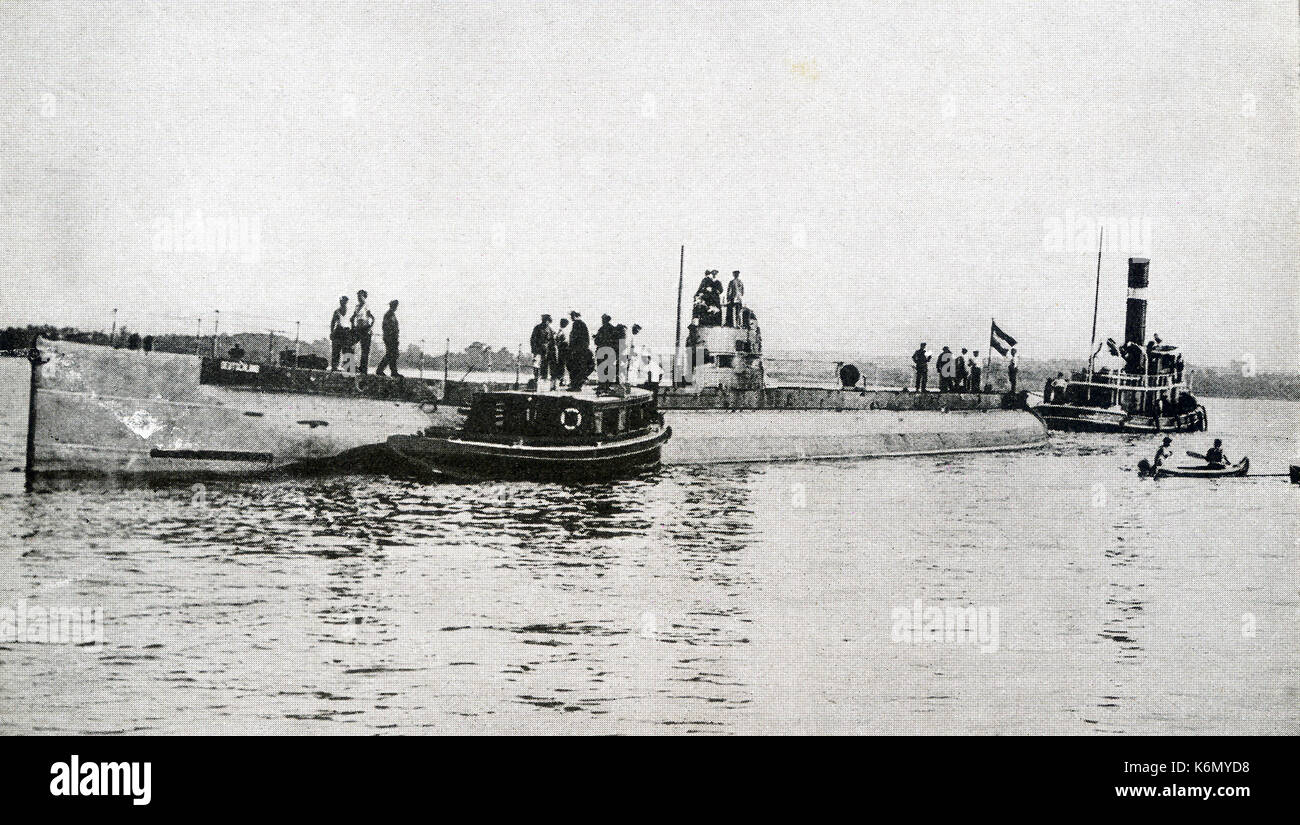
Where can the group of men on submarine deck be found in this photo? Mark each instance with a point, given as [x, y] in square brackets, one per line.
[347, 332]
[957, 372]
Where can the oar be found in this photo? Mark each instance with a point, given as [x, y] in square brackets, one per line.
[1201, 456]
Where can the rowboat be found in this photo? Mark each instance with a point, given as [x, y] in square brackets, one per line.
[1203, 471]
[543, 435]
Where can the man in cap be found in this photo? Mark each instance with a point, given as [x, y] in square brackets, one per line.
[943, 366]
[389, 330]
[540, 344]
[606, 341]
[976, 372]
[735, 300]
[651, 373]
[580, 361]
[340, 334]
[363, 321]
[960, 374]
[1012, 369]
[921, 361]
[715, 301]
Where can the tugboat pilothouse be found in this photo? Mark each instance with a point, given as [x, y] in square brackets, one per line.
[1147, 394]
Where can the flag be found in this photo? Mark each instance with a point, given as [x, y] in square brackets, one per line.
[999, 340]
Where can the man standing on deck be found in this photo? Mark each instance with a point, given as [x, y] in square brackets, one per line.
[976, 373]
[389, 330]
[363, 321]
[1012, 369]
[943, 366]
[631, 357]
[606, 341]
[580, 362]
[561, 352]
[959, 371]
[735, 300]
[921, 359]
[541, 343]
[714, 299]
[340, 334]
[1057, 386]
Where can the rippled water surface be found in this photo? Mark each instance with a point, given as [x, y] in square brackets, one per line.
[732, 599]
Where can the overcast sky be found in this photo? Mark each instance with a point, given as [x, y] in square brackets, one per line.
[881, 173]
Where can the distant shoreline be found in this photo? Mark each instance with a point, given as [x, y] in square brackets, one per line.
[479, 358]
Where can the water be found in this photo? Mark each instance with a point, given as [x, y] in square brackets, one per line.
[723, 600]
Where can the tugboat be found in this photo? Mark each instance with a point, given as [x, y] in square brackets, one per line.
[1147, 395]
[543, 435]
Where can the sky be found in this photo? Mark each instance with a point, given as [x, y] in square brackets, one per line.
[881, 173]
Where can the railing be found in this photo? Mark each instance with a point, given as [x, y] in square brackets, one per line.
[1126, 382]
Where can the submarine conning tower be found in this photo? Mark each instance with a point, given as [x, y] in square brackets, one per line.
[1135, 322]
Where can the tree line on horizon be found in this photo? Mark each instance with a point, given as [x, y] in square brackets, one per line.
[256, 346]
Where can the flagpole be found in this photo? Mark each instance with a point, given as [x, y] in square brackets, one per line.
[677, 338]
[1096, 296]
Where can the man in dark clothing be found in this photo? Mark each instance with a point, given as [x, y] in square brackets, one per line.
[1012, 369]
[921, 359]
[943, 366]
[715, 301]
[390, 342]
[1215, 457]
[976, 372]
[580, 361]
[960, 383]
[340, 333]
[541, 343]
[700, 304]
[606, 341]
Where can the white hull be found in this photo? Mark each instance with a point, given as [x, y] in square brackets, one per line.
[93, 416]
[722, 436]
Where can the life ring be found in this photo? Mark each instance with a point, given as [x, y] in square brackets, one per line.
[577, 418]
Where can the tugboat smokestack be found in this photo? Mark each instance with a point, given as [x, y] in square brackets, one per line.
[1135, 323]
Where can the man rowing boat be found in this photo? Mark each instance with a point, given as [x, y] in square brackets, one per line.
[1215, 457]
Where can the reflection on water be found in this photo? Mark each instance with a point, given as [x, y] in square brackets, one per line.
[731, 599]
